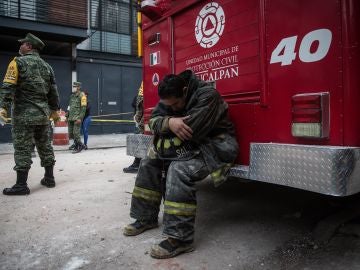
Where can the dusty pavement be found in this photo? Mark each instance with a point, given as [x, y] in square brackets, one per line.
[78, 224]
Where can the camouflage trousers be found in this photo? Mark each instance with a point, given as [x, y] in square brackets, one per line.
[178, 191]
[74, 131]
[24, 138]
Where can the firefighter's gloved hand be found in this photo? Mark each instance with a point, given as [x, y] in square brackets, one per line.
[3, 116]
[54, 116]
[179, 128]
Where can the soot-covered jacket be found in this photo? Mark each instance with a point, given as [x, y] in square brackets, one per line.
[213, 133]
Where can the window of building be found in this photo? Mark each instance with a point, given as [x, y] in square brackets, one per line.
[112, 26]
[63, 12]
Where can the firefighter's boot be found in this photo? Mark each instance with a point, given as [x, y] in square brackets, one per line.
[171, 247]
[139, 227]
[134, 167]
[20, 188]
[48, 180]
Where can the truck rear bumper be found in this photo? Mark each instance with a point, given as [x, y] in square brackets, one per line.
[330, 170]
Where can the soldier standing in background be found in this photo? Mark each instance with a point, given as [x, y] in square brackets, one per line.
[138, 105]
[29, 85]
[75, 114]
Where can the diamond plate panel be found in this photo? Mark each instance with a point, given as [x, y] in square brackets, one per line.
[324, 169]
[138, 144]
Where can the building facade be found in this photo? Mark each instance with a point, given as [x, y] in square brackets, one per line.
[92, 41]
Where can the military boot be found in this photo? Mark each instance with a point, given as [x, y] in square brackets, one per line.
[72, 147]
[20, 188]
[48, 180]
[78, 148]
[134, 167]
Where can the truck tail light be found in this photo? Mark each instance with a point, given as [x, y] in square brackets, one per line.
[310, 115]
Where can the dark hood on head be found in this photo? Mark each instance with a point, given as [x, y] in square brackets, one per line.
[191, 81]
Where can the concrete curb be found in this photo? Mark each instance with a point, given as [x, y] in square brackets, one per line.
[105, 141]
[11, 152]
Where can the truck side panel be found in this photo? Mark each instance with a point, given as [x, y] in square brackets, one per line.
[265, 52]
[301, 29]
[307, 35]
[351, 57]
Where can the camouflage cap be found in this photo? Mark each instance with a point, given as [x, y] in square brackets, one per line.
[33, 40]
[78, 84]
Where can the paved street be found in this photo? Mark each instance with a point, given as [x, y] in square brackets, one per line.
[78, 224]
[103, 141]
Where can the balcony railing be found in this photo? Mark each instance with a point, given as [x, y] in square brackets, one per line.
[62, 12]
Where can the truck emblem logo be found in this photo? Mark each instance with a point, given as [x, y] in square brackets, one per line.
[209, 25]
[155, 79]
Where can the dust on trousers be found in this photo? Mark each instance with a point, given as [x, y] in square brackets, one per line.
[179, 193]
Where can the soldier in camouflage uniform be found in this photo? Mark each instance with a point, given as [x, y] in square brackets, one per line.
[75, 115]
[30, 86]
[193, 138]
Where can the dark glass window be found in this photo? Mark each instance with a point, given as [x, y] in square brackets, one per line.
[113, 27]
[63, 12]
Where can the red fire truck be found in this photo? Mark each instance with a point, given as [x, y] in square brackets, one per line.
[289, 71]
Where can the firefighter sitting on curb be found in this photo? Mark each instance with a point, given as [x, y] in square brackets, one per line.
[193, 138]
[74, 115]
